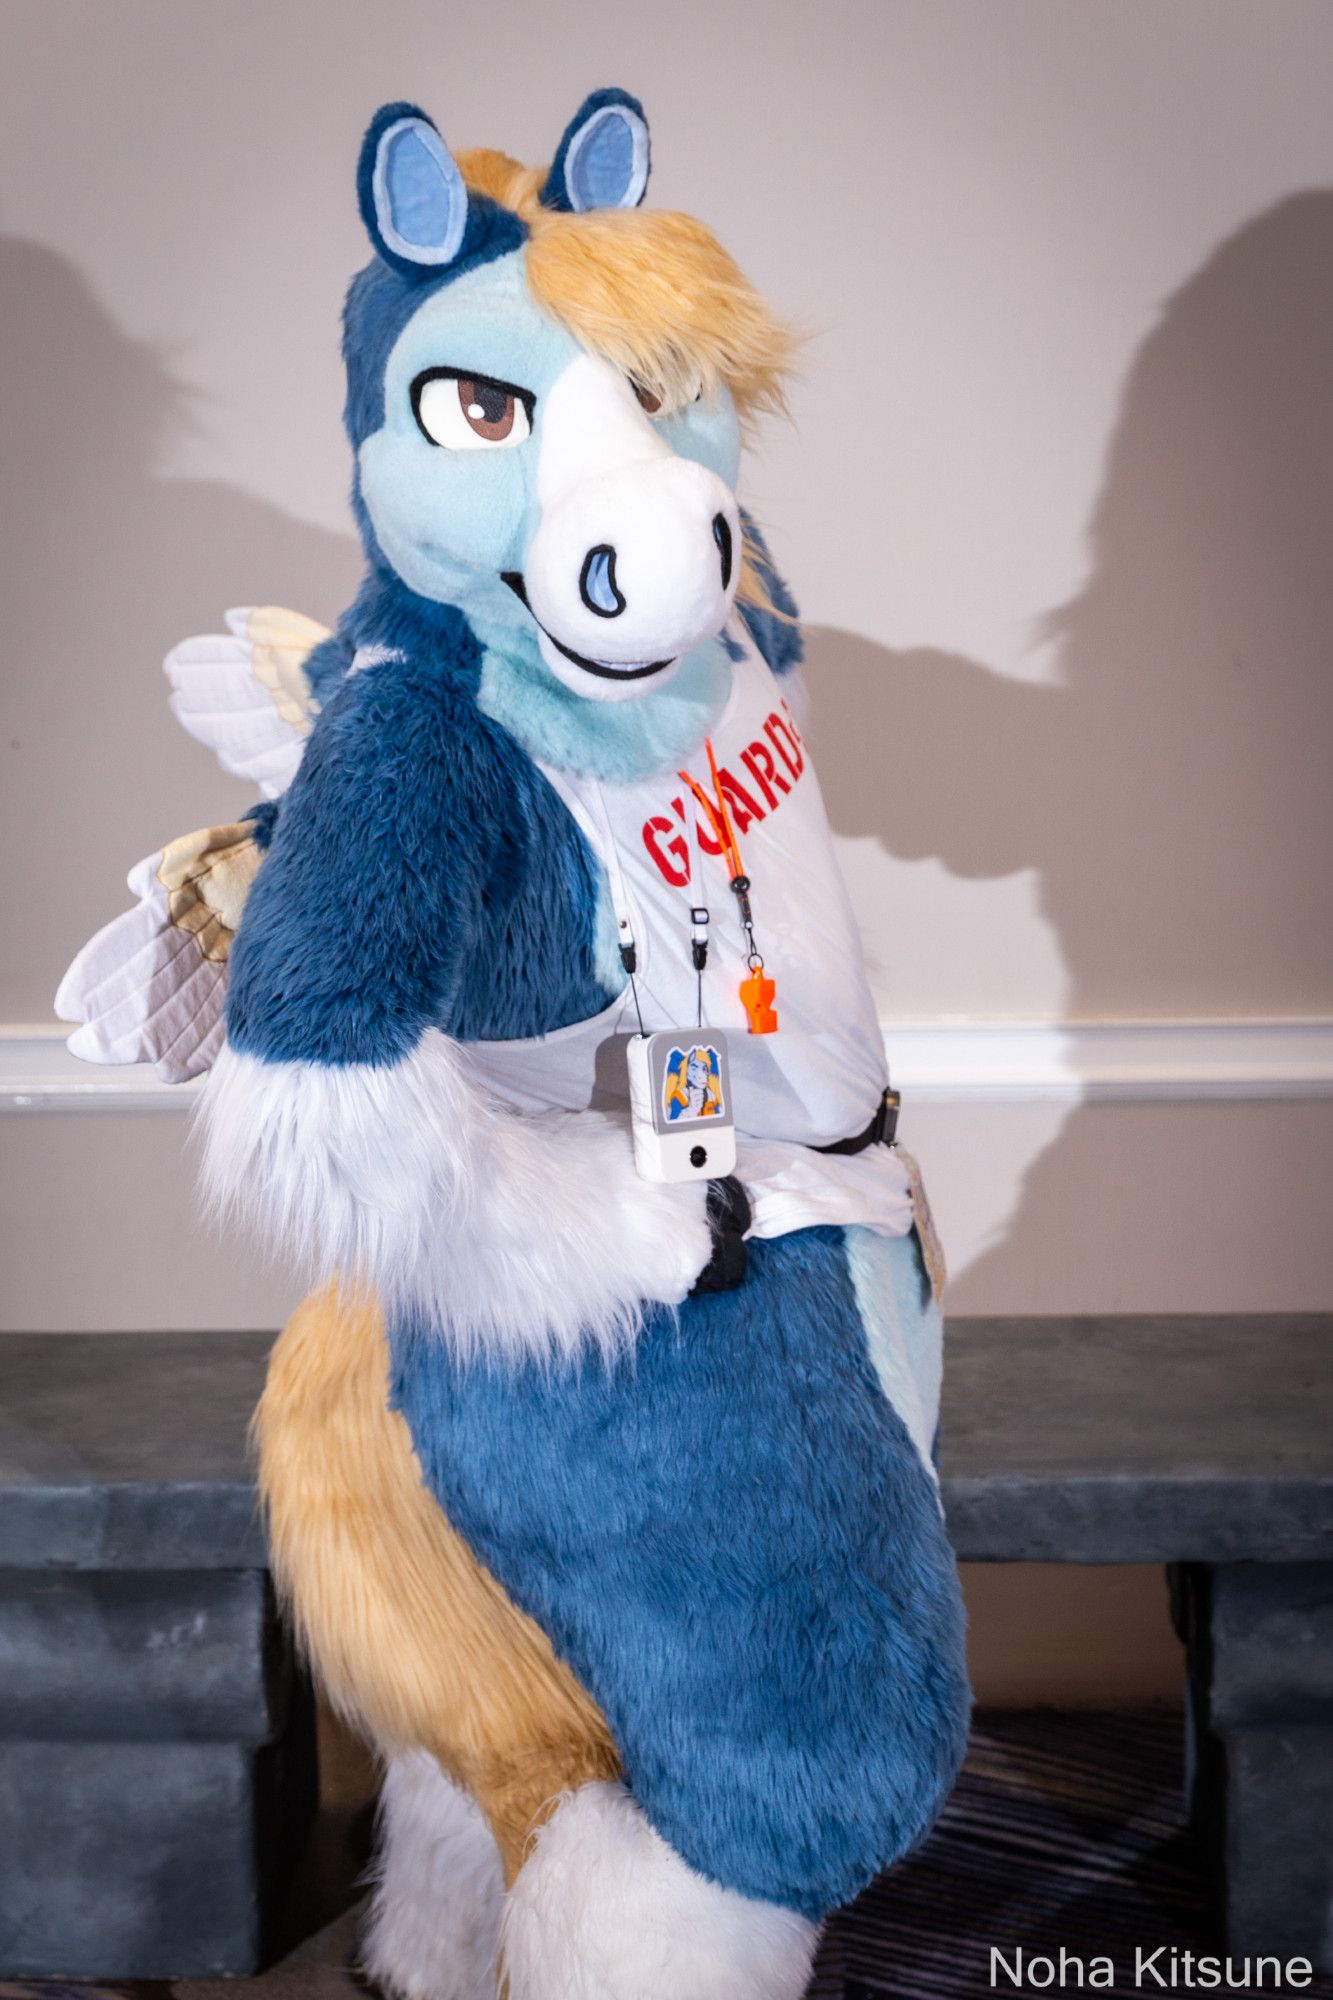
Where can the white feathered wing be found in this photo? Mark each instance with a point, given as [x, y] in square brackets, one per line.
[150, 986]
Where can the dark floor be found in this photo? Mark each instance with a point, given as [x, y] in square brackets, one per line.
[1064, 1831]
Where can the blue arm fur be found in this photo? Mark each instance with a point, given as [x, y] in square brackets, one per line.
[371, 893]
[419, 872]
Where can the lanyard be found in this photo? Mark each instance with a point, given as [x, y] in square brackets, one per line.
[757, 990]
[699, 918]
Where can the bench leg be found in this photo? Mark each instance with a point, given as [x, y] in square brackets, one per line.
[1259, 1652]
[157, 1772]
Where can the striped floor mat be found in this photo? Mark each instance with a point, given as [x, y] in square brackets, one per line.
[1064, 1831]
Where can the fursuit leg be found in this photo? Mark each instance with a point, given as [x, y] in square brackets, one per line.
[604, 1909]
[420, 1649]
[432, 1930]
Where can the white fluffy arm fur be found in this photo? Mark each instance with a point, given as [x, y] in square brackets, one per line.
[514, 1235]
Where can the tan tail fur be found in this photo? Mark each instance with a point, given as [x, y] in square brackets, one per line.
[411, 1638]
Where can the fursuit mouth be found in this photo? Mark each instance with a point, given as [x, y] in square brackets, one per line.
[607, 670]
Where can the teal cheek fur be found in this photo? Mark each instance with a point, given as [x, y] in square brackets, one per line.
[707, 431]
[442, 515]
[616, 741]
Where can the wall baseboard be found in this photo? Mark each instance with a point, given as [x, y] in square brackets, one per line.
[1019, 1062]
[938, 1062]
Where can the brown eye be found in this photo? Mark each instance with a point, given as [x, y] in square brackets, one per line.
[647, 400]
[488, 408]
[470, 412]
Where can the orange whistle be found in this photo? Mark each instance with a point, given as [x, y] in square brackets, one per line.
[757, 995]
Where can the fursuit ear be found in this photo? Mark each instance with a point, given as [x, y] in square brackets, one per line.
[603, 159]
[411, 194]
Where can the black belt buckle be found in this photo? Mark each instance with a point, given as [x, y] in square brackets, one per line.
[885, 1126]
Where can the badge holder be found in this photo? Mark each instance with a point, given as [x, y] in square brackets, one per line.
[680, 1105]
[679, 1080]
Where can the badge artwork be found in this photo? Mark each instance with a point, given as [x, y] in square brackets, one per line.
[693, 1086]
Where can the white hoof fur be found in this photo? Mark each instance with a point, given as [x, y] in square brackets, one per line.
[603, 1909]
[432, 1931]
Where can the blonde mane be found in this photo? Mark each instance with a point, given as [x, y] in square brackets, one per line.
[654, 293]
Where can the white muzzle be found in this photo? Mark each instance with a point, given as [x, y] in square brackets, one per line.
[636, 554]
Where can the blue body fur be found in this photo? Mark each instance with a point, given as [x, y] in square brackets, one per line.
[325, 667]
[733, 1543]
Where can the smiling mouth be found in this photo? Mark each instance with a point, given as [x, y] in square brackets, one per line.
[605, 669]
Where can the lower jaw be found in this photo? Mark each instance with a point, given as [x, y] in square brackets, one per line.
[600, 680]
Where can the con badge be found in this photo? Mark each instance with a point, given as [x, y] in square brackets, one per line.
[932, 1250]
[680, 1103]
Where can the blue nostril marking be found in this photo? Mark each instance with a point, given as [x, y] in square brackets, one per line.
[722, 536]
[597, 582]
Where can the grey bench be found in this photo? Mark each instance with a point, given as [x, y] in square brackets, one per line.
[157, 1760]
[1204, 1444]
[156, 1739]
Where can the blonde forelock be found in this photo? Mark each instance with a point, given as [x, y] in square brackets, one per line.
[651, 291]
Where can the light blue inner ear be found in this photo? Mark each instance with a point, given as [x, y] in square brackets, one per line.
[607, 162]
[420, 199]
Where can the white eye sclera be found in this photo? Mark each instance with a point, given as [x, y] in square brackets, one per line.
[470, 412]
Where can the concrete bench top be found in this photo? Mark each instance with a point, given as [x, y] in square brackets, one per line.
[1184, 1438]
[128, 1450]
[1127, 1439]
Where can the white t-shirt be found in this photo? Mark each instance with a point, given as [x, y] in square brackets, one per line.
[820, 1076]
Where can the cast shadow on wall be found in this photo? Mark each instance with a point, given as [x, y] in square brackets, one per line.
[107, 563]
[1174, 790]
